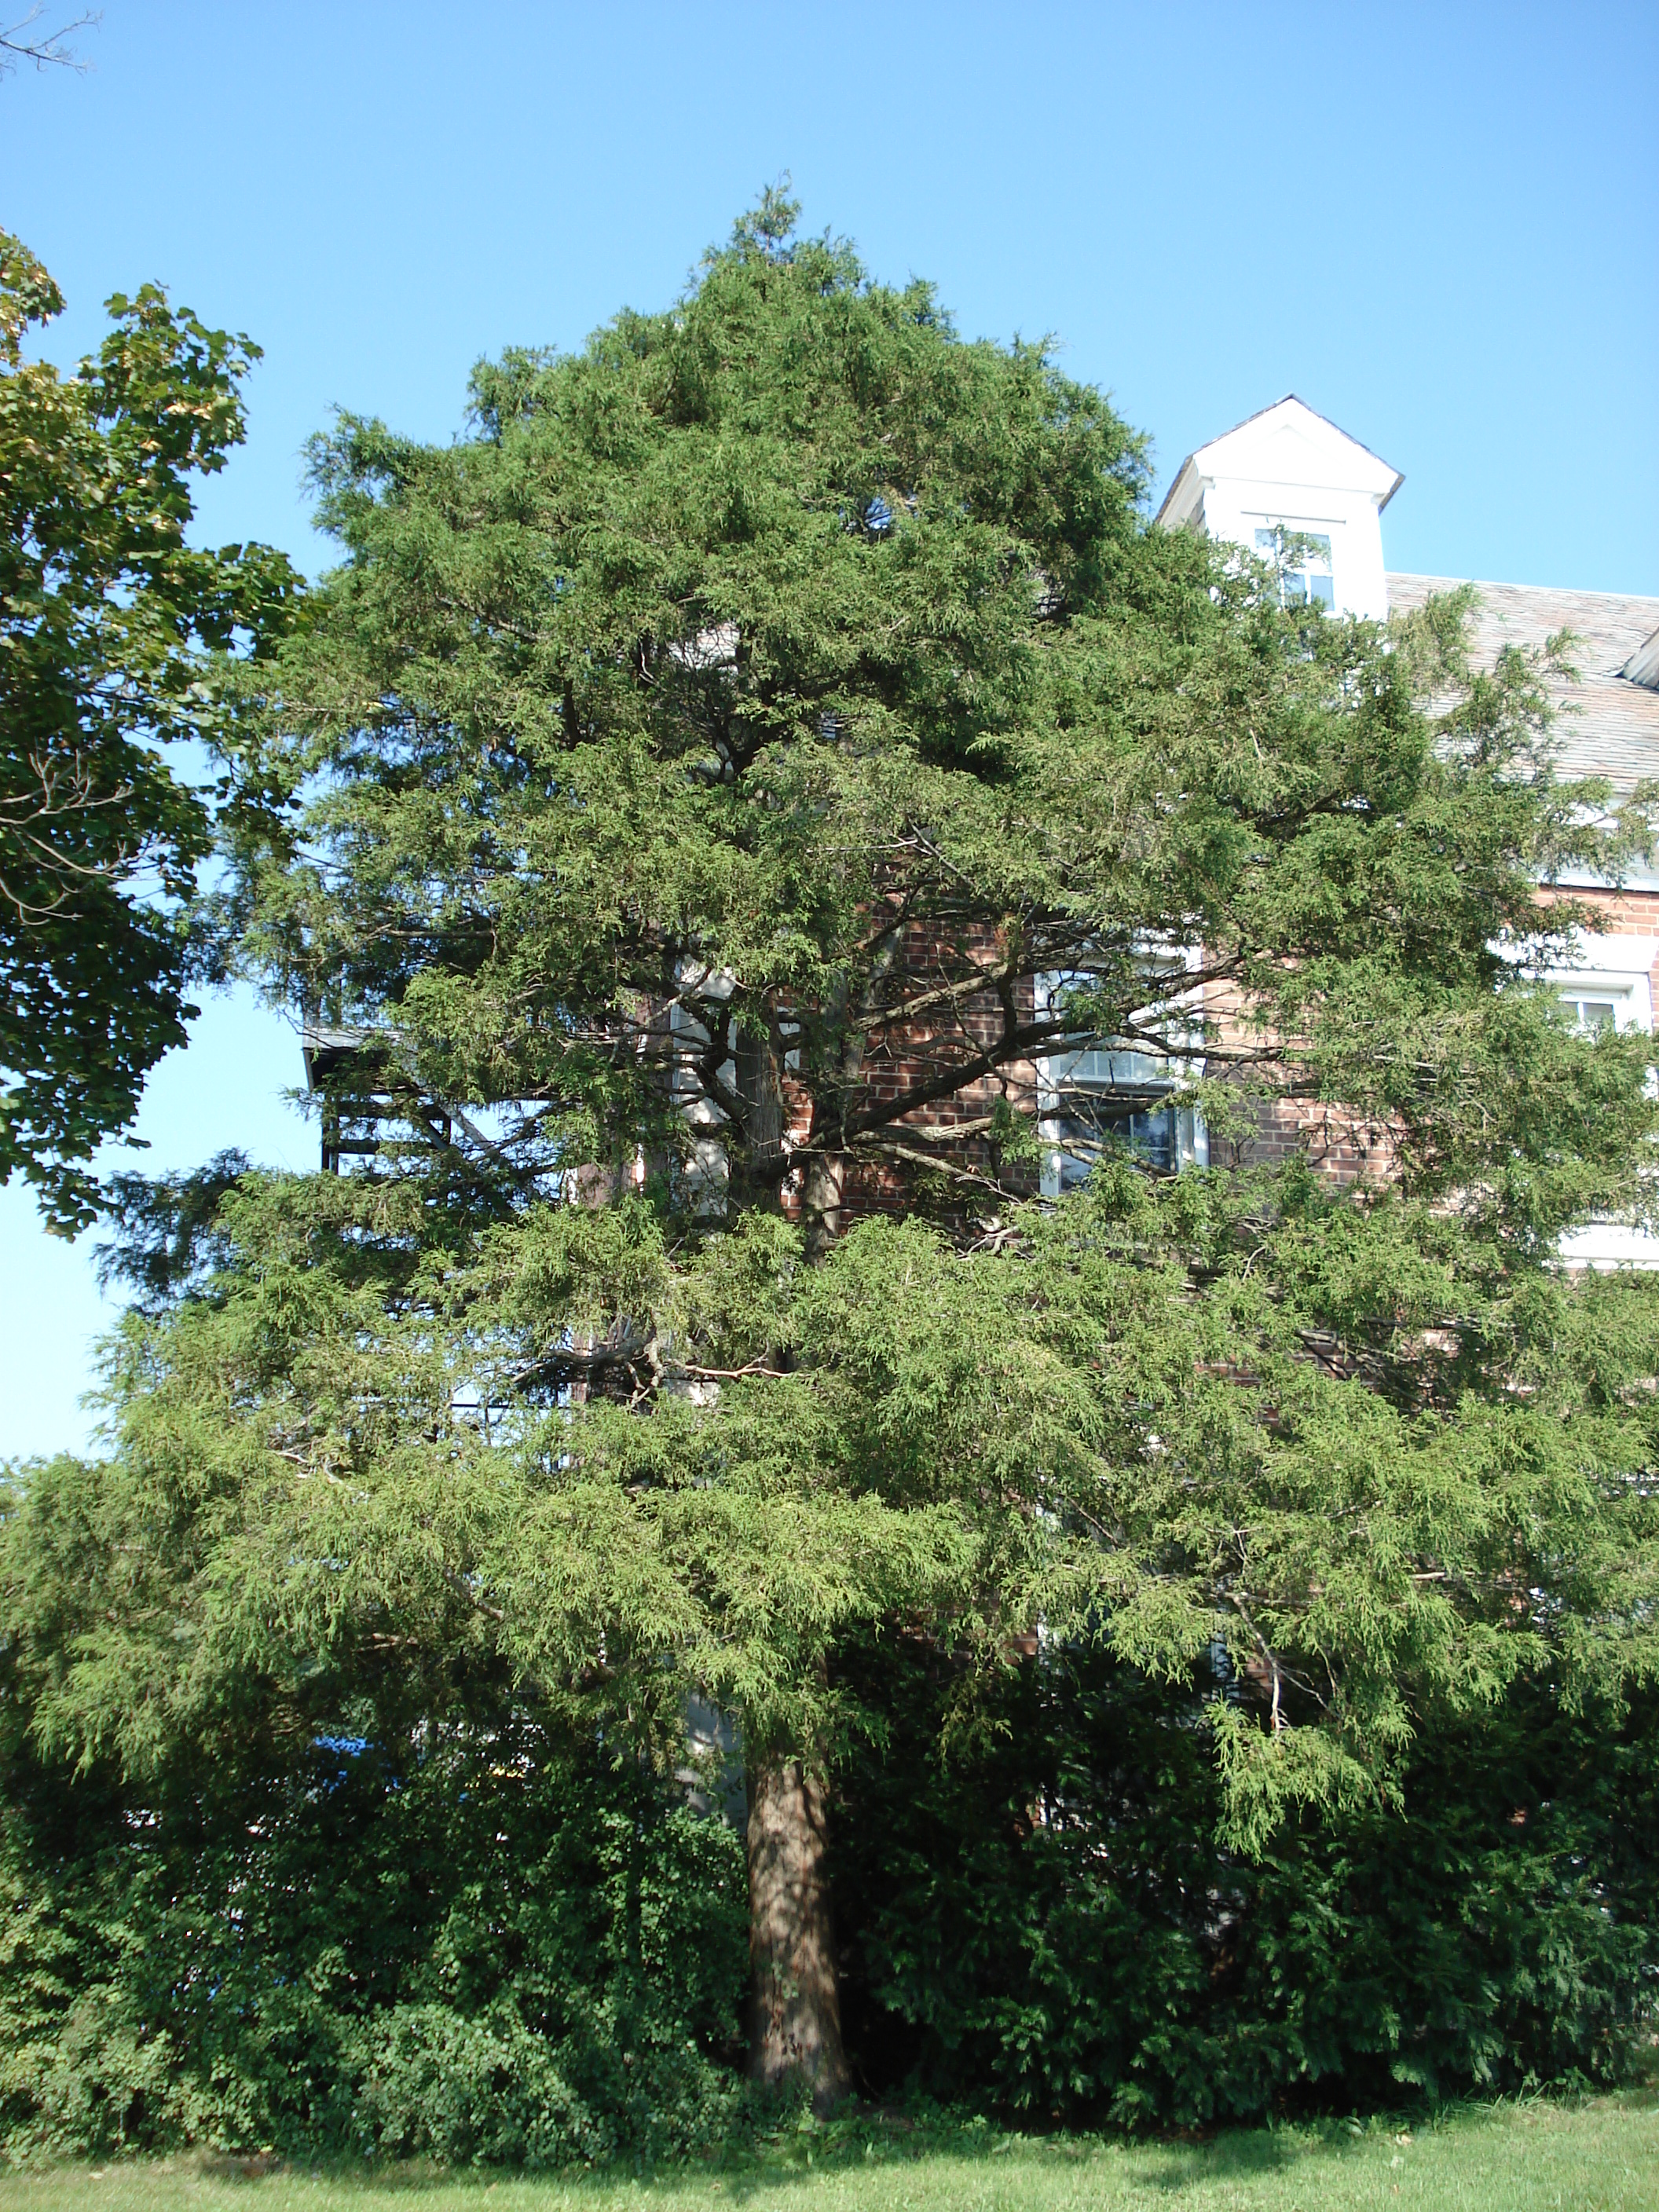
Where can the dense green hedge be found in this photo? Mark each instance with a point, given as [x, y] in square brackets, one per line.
[500, 1947]
[493, 1952]
[1044, 1922]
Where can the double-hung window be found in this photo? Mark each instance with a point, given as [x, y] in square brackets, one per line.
[1606, 1006]
[1117, 1096]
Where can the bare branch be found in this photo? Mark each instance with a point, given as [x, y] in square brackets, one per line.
[46, 48]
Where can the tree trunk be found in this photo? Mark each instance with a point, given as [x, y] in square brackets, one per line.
[822, 1200]
[757, 1163]
[794, 2023]
[795, 2031]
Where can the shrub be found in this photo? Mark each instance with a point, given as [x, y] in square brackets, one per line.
[1043, 1922]
[497, 1949]
[502, 1944]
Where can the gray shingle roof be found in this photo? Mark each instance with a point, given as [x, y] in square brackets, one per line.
[1608, 725]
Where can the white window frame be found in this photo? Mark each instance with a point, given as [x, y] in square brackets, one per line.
[1054, 1071]
[1610, 968]
[1617, 969]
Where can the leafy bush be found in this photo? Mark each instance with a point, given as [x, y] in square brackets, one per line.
[1042, 1921]
[484, 1938]
[494, 1949]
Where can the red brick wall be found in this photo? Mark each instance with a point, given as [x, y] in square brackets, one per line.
[1341, 1145]
[1348, 1149]
[900, 1058]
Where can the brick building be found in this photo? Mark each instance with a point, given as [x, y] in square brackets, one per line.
[1288, 469]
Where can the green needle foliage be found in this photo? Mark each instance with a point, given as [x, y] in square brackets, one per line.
[776, 719]
[770, 694]
[1143, 1420]
[109, 625]
[754, 697]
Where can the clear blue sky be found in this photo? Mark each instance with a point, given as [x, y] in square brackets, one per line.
[1438, 224]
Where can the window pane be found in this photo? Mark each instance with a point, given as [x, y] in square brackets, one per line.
[1321, 591]
[1103, 1070]
[1153, 1137]
[1591, 1013]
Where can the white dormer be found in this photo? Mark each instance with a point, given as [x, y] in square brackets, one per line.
[1289, 469]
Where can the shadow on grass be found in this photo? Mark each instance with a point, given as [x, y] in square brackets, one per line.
[802, 2152]
[788, 2146]
[791, 2146]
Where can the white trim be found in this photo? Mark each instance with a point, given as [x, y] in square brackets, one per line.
[1616, 969]
[1607, 1246]
[1581, 880]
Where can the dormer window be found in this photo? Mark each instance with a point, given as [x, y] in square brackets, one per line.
[1304, 569]
[1288, 473]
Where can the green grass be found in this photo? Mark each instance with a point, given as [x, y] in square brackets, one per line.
[1600, 2155]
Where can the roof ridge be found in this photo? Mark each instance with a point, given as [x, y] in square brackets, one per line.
[1369, 452]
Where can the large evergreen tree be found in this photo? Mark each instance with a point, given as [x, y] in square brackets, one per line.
[773, 727]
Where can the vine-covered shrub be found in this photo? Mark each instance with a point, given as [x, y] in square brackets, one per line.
[1042, 1922]
[490, 1949]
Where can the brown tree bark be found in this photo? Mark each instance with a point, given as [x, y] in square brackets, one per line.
[794, 2032]
[794, 2023]
[822, 1200]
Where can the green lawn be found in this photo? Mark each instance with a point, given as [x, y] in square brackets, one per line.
[1600, 2156]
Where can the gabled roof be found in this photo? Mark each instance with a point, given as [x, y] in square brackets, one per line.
[1607, 722]
[1288, 443]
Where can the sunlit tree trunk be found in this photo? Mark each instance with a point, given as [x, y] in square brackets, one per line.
[795, 2031]
[821, 1201]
